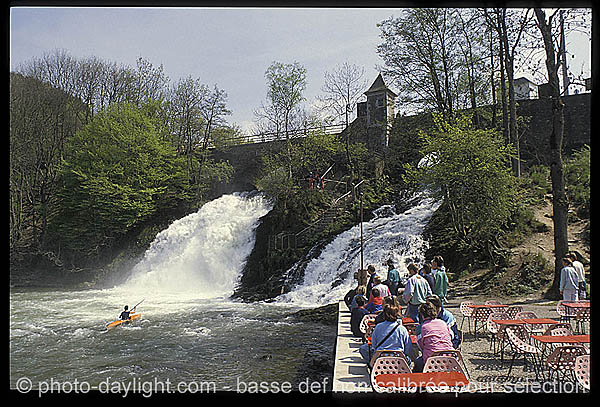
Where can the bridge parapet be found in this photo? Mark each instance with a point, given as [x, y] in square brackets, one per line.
[280, 136]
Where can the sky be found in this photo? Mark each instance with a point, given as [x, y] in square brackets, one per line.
[229, 47]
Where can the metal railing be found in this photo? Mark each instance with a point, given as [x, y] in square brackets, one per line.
[286, 240]
[280, 136]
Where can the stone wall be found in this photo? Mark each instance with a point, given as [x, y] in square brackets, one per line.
[538, 112]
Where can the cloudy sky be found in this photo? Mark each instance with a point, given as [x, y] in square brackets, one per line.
[229, 47]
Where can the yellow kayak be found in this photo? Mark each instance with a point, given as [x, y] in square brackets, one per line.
[118, 322]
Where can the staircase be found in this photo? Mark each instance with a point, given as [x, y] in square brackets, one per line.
[286, 240]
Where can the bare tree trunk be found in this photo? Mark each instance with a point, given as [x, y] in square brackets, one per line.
[560, 204]
[512, 103]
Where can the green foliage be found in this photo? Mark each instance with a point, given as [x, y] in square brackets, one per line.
[315, 152]
[470, 175]
[577, 180]
[117, 172]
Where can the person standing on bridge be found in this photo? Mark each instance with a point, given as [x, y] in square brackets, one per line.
[416, 291]
[393, 278]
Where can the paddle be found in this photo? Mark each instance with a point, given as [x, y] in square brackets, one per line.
[135, 306]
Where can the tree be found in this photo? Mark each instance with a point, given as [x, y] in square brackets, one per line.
[117, 172]
[469, 175]
[342, 89]
[419, 58]
[214, 108]
[285, 83]
[185, 106]
[560, 203]
[510, 29]
[42, 118]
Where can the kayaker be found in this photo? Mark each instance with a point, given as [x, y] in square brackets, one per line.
[125, 314]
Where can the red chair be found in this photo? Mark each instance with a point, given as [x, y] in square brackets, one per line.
[467, 313]
[582, 317]
[516, 336]
[389, 365]
[481, 315]
[582, 371]
[562, 360]
[455, 353]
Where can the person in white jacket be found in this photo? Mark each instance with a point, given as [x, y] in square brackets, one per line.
[569, 281]
[578, 266]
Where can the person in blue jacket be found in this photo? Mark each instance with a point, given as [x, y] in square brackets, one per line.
[389, 334]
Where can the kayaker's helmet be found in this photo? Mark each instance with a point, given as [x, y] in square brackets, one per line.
[126, 307]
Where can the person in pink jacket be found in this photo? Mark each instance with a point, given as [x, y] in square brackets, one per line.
[435, 335]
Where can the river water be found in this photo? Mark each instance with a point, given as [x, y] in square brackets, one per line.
[192, 337]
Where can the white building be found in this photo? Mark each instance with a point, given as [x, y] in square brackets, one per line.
[525, 89]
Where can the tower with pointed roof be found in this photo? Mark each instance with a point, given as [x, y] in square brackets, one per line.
[378, 110]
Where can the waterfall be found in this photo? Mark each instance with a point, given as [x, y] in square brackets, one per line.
[328, 277]
[203, 254]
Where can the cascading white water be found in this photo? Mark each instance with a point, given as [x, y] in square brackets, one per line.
[203, 254]
[328, 277]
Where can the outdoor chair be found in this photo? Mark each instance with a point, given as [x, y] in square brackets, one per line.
[565, 313]
[455, 353]
[582, 371]
[364, 322]
[389, 365]
[582, 317]
[467, 313]
[443, 363]
[562, 360]
[512, 311]
[386, 352]
[535, 329]
[525, 315]
[515, 336]
[494, 329]
[560, 329]
[480, 315]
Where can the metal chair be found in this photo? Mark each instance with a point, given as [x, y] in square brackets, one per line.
[389, 365]
[562, 328]
[493, 328]
[455, 353]
[467, 313]
[512, 311]
[386, 352]
[583, 316]
[582, 371]
[536, 329]
[442, 364]
[516, 336]
[562, 360]
[525, 315]
[480, 315]
[565, 313]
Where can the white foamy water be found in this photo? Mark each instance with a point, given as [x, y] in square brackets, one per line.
[203, 254]
[389, 235]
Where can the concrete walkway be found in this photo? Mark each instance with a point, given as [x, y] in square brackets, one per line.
[350, 373]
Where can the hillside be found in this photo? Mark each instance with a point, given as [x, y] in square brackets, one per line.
[538, 244]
